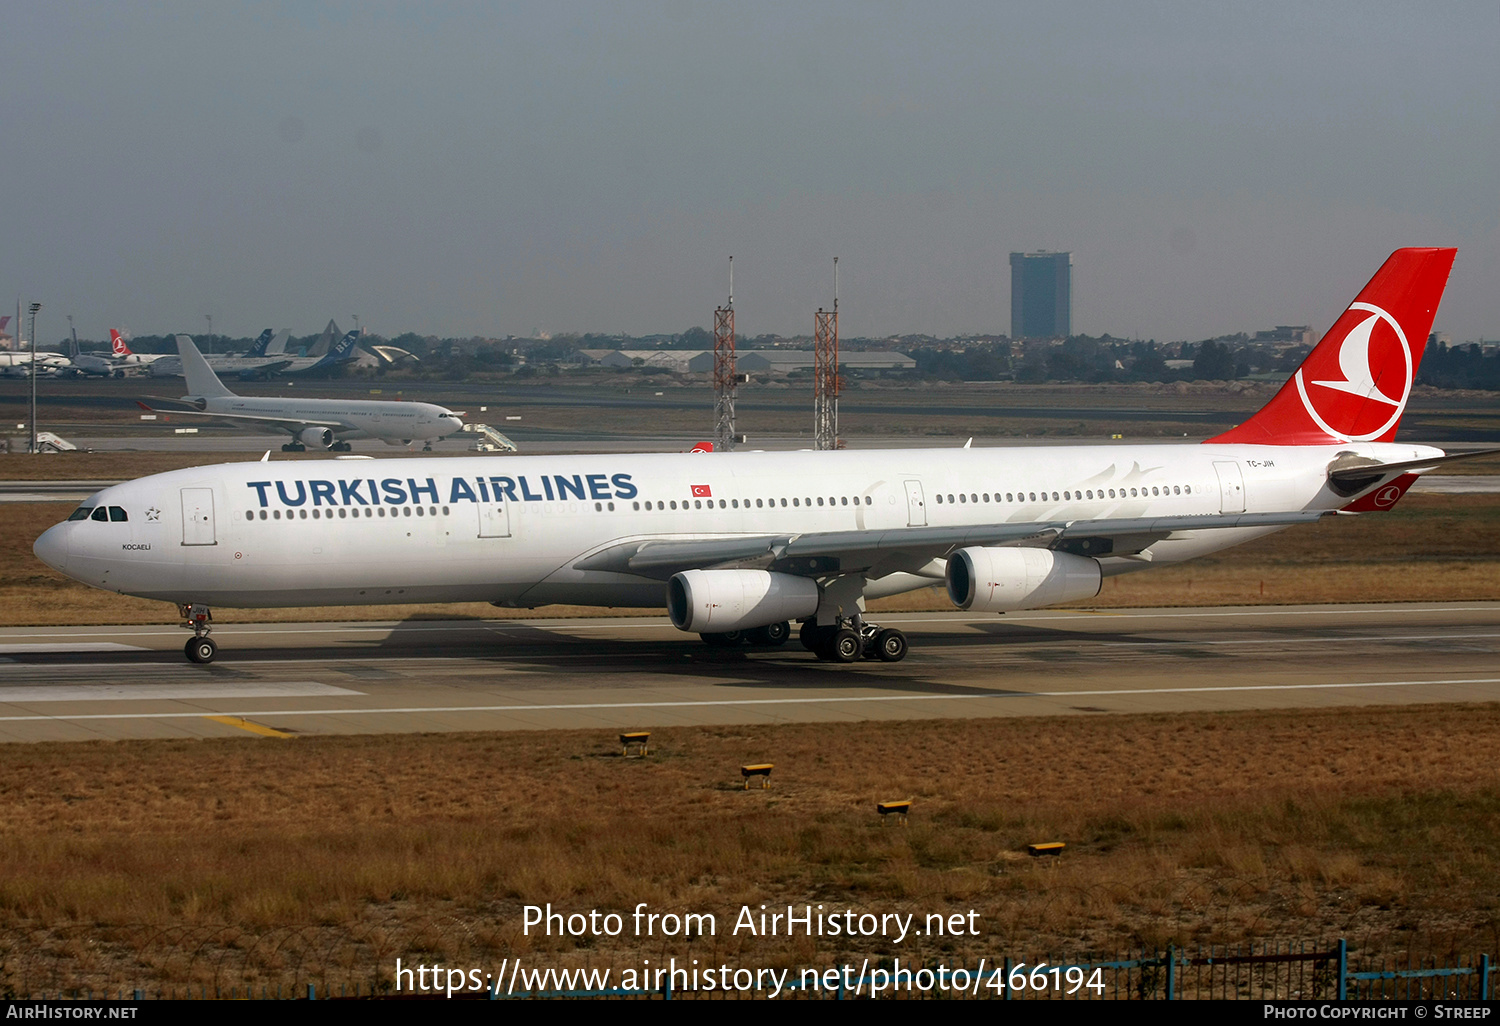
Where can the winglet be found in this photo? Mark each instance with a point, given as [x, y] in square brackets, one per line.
[201, 379]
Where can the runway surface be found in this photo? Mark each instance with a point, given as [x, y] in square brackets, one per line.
[286, 680]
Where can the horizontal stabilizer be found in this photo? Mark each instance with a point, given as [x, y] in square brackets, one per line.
[1369, 472]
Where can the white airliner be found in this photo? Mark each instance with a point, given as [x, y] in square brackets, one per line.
[312, 423]
[738, 545]
[18, 364]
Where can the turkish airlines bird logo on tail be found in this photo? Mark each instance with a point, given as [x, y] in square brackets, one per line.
[117, 343]
[1354, 385]
[1375, 371]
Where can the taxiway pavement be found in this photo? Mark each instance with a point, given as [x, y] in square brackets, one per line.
[297, 679]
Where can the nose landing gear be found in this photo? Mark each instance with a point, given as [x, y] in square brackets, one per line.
[198, 619]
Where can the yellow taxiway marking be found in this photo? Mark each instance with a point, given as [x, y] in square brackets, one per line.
[250, 725]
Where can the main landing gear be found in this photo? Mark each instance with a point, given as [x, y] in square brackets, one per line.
[299, 447]
[198, 619]
[845, 642]
[850, 640]
[769, 636]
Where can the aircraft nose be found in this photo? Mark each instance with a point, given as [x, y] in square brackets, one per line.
[52, 547]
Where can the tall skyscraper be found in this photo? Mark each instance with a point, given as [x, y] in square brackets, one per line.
[1041, 295]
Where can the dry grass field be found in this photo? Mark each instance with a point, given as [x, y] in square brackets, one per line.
[260, 861]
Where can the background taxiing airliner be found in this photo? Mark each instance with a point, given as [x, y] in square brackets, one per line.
[739, 545]
[312, 423]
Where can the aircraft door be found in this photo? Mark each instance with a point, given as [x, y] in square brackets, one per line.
[198, 516]
[494, 520]
[1231, 488]
[916, 506]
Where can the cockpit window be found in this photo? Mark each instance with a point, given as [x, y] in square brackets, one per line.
[81, 513]
[101, 514]
[117, 515]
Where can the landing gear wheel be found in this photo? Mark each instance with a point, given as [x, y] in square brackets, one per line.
[771, 635]
[200, 650]
[842, 646]
[728, 639]
[890, 645]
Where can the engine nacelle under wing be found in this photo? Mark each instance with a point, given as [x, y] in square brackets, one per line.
[715, 601]
[316, 437]
[985, 580]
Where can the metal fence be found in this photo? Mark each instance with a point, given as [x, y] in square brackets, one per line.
[1277, 971]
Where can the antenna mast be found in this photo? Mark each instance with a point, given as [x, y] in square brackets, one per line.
[826, 372]
[725, 380]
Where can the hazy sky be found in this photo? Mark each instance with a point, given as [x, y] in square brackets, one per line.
[493, 169]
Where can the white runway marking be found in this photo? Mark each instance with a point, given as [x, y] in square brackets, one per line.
[145, 692]
[1383, 638]
[731, 702]
[81, 646]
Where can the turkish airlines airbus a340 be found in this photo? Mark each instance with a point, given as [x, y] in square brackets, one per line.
[739, 545]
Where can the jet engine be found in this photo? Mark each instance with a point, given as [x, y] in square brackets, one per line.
[316, 438]
[717, 601]
[1000, 580]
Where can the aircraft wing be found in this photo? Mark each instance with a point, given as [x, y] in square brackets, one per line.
[293, 425]
[829, 553]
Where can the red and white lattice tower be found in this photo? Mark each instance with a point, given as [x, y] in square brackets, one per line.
[725, 383]
[826, 372]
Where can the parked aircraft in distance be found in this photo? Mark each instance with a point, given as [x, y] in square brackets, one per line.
[17, 364]
[312, 423]
[267, 357]
[739, 545]
[120, 362]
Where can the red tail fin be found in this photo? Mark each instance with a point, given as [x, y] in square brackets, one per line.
[117, 343]
[1354, 385]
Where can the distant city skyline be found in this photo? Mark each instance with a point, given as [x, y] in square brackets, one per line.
[589, 167]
